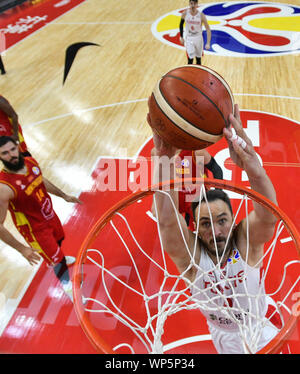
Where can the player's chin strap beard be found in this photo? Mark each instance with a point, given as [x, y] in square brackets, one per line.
[228, 249]
[14, 167]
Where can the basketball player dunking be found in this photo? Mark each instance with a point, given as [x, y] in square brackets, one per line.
[193, 41]
[216, 216]
[24, 192]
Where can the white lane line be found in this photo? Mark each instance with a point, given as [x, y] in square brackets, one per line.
[273, 96]
[103, 23]
[79, 111]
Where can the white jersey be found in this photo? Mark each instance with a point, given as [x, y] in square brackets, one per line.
[193, 24]
[218, 287]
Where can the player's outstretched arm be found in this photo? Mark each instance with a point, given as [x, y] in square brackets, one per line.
[262, 221]
[29, 253]
[173, 229]
[9, 110]
[51, 188]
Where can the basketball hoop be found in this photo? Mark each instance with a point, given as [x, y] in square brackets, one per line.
[133, 289]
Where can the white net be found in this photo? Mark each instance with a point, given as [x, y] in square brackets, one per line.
[131, 287]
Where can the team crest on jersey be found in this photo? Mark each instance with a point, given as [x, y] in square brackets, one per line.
[19, 183]
[35, 170]
[185, 163]
[240, 29]
[235, 257]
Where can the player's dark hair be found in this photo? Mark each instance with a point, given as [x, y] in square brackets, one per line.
[211, 196]
[6, 139]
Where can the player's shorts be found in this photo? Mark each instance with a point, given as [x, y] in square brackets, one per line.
[47, 240]
[184, 203]
[194, 46]
[231, 342]
[185, 206]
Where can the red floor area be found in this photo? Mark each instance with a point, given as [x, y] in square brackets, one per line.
[20, 22]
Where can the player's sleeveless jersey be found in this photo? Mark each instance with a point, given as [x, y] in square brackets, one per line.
[217, 286]
[31, 205]
[7, 130]
[193, 24]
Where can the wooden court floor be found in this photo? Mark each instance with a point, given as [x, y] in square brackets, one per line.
[101, 109]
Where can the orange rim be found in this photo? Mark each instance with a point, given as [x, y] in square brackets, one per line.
[103, 347]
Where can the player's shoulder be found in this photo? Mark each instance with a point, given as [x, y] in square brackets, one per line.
[32, 166]
[7, 190]
[32, 161]
[184, 13]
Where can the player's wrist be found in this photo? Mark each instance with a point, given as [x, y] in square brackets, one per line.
[256, 173]
[22, 249]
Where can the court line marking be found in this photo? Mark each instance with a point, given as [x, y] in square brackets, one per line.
[80, 111]
[11, 304]
[286, 240]
[104, 23]
[266, 95]
[269, 163]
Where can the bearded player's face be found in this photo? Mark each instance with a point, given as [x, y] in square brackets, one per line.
[11, 157]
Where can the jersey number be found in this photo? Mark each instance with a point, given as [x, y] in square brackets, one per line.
[40, 194]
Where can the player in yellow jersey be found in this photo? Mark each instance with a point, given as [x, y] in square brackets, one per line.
[24, 191]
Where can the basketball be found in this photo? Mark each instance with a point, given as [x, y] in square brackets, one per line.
[189, 107]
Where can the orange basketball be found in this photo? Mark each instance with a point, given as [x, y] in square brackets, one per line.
[189, 107]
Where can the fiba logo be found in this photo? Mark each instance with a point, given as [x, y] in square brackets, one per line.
[240, 29]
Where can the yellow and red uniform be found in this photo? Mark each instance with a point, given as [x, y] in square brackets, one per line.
[32, 211]
[6, 129]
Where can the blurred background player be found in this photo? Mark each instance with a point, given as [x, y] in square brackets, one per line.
[2, 66]
[193, 40]
[191, 164]
[9, 125]
[25, 193]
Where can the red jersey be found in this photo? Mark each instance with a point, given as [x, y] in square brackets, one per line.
[32, 211]
[31, 203]
[6, 129]
[186, 167]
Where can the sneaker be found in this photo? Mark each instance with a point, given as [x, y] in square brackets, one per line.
[67, 287]
[70, 260]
